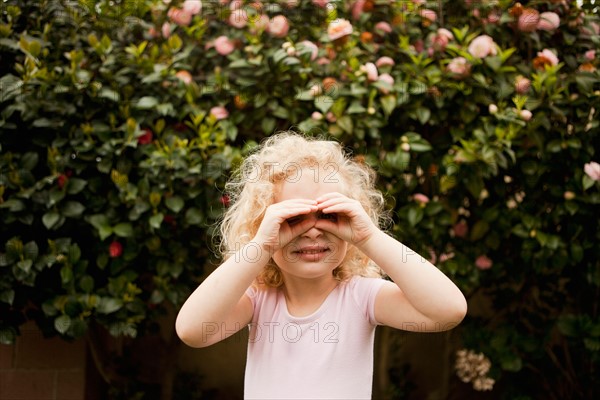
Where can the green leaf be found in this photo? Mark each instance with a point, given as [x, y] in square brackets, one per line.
[75, 185]
[268, 125]
[50, 219]
[420, 146]
[592, 344]
[305, 95]
[29, 161]
[86, 283]
[74, 253]
[479, 230]
[100, 222]
[174, 203]
[587, 182]
[511, 362]
[123, 229]
[55, 196]
[8, 335]
[323, 103]
[62, 323]
[415, 215]
[423, 115]
[72, 209]
[7, 296]
[156, 220]
[175, 43]
[388, 103]
[493, 62]
[193, 216]
[108, 305]
[568, 325]
[66, 274]
[15, 205]
[585, 82]
[146, 102]
[346, 124]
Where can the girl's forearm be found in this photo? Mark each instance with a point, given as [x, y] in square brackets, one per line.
[218, 294]
[426, 287]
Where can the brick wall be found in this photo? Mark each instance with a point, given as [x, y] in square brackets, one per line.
[36, 368]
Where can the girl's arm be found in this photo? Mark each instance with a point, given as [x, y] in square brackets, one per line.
[219, 307]
[421, 298]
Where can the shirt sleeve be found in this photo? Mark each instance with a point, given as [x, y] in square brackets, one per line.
[364, 292]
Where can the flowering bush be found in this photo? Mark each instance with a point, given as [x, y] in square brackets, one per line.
[481, 118]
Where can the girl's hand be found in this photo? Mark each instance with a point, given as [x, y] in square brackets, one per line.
[275, 231]
[348, 219]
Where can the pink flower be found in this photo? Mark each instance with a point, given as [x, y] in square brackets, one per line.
[62, 180]
[236, 4]
[321, 3]
[592, 169]
[548, 55]
[522, 84]
[459, 67]
[184, 76]
[166, 30]
[441, 39]
[339, 28]
[307, 45]
[483, 262]
[549, 21]
[192, 6]
[238, 18]
[428, 14]
[387, 79]
[152, 32]
[358, 8]
[384, 61]
[525, 115]
[420, 198]
[146, 138]
[384, 27]
[278, 26]
[482, 46]
[330, 117]
[219, 112]
[493, 17]
[179, 16]
[259, 24]
[115, 249]
[528, 20]
[590, 55]
[223, 45]
[461, 229]
[225, 200]
[317, 116]
[371, 71]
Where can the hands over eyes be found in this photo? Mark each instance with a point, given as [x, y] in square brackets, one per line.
[332, 212]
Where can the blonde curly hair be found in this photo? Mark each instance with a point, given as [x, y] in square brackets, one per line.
[252, 189]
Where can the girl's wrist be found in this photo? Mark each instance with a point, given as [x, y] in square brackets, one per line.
[366, 245]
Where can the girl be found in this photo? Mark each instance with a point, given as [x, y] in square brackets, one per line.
[303, 259]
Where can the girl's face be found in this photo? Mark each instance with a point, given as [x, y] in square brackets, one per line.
[315, 253]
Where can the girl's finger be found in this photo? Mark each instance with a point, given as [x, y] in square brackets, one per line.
[330, 195]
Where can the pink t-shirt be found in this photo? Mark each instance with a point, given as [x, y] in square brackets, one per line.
[325, 355]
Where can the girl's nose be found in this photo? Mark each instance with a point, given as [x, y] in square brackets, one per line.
[313, 232]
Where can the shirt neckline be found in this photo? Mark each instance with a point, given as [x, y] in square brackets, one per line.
[314, 315]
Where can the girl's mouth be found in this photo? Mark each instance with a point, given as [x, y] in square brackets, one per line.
[312, 253]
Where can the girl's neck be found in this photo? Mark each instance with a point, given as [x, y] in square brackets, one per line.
[303, 297]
